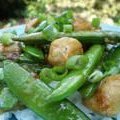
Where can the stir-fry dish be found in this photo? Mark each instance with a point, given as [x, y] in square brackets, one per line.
[66, 50]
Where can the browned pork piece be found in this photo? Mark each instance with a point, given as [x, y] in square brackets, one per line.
[106, 100]
[61, 49]
[10, 52]
[80, 24]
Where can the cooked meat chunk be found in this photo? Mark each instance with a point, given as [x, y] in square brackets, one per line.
[61, 49]
[81, 24]
[10, 52]
[106, 100]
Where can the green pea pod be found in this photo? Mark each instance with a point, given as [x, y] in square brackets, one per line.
[56, 74]
[63, 19]
[33, 94]
[112, 62]
[26, 58]
[7, 100]
[77, 62]
[34, 52]
[50, 32]
[1, 74]
[96, 76]
[75, 79]
[41, 26]
[59, 69]
[67, 28]
[111, 66]
[88, 90]
[2, 84]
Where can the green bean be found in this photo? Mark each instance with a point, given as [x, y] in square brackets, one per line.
[77, 62]
[111, 67]
[98, 37]
[75, 79]
[88, 90]
[34, 52]
[96, 76]
[67, 28]
[40, 27]
[7, 100]
[33, 94]
[1, 74]
[55, 74]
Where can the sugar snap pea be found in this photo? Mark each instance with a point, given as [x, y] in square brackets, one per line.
[34, 52]
[88, 90]
[75, 79]
[96, 76]
[7, 100]
[41, 26]
[1, 74]
[53, 74]
[77, 62]
[112, 61]
[111, 66]
[33, 94]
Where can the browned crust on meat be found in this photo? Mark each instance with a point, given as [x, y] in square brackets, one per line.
[61, 49]
[107, 97]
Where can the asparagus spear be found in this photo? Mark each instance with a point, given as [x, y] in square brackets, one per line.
[83, 36]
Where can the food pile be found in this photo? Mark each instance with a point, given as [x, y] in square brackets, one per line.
[66, 50]
[107, 10]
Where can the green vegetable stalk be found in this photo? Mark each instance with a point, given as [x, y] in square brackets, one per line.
[34, 52]
[111, 66]
[88, 90]
[40, 27]
[33, 94]
[53, 74]
[83, 36]
[112, 62]
[77, 62]
[7, 100]
[75, 79]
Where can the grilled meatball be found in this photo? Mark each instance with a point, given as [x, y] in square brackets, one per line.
[106, 100]
[61, 49]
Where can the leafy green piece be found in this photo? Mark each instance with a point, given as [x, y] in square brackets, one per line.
[67, 28]
[41, 26]
[112, 61]
[50, 32]
[53, 74]
[35, 52]
[7, 100]
[64, 18]
[6, 38]
[96, 76]
[88, 90]
[96, 22]
[77, 62]
[1, 74]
